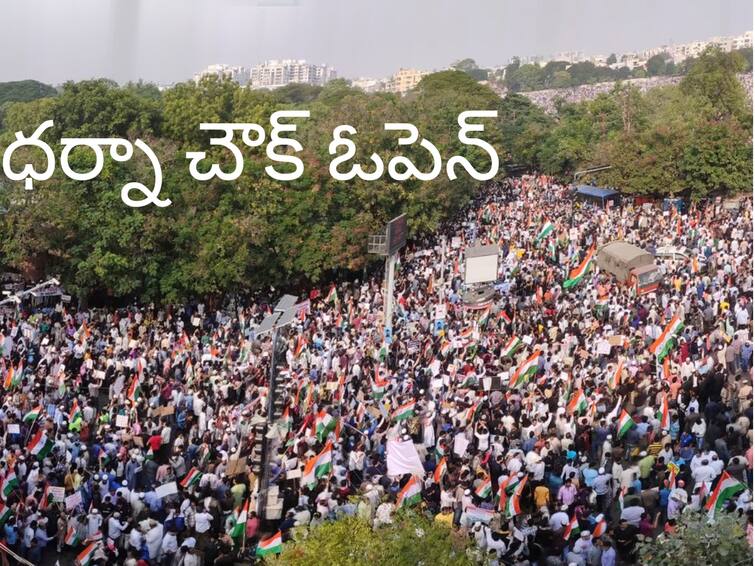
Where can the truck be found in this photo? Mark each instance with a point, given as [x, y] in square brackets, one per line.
[630, 265]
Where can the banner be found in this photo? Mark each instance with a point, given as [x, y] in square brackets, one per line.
[403, 459]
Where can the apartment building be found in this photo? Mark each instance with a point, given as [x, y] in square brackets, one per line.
[278, 73]
[404, 80]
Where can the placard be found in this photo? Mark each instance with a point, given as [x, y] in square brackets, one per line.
[14, 429]
[166, 489]
[617, 340]
[121, 421]
[58, 493]
[165, 411]
[235, 467]
[604, 348]
[73, 501]
[293, 474]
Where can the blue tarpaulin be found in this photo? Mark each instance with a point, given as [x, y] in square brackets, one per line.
[596, 192]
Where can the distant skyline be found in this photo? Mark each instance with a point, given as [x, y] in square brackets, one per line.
[166, 41]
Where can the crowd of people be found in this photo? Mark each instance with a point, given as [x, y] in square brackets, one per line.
[560, 421]
[547, 99]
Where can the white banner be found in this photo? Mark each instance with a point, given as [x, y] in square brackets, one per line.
[403, 459]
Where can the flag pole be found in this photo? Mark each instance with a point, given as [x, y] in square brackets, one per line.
[243, 538]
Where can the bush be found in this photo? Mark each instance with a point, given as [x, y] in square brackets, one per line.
[698, 541]
[410, 540]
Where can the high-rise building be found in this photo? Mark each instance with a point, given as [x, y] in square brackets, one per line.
[275, 74]
[238, 74]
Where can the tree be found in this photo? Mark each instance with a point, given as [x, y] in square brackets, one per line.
[469, 66]
[713, 79]
[411, 539]
[656, 65]
[611, 59]
[698, 541]
[24, 91]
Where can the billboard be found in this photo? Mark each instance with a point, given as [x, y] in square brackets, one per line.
[395, 234]
[481, 264]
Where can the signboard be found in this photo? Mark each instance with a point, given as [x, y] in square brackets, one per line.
[395, 234]
[166, 489]
[73, 500]
[481, 264]
[388, 335]
[440, 312]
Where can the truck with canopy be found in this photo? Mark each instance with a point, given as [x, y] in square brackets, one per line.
[630, 265]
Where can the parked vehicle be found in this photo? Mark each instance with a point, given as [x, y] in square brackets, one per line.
[630, 265]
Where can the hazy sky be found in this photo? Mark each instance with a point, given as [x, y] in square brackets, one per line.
[170, 40]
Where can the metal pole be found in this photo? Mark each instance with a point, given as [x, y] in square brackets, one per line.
[442, 271]
[265, 479]
[390, 264]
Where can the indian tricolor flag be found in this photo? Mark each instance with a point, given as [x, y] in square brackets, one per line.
[5, 513]
[9, 484]
[72, 539]
[379, 385]
[466, 333]
[445, 348]
[239, 523]
[573, 526]
[40, 446]
[405, 411]
[503, 483]
[86, 556]
[33, 415]
[615, 378]
[524, 371]
[484, 317]
[578, 273]
[8, 382]
[332, 295]
[471, 412]
[485, 488]
[286, 420]
[726, 488]
[577, 403]
[440, 470]
[191, 478]
[319, 466]
[513, 507]
[667, 340]
[511, 347]
[547, 228]
[270, 545]
[600, 526]
[324, 424]
[299, 347]
[625, 423]
[663, 415]
[133, 390]
[410, 494]
[75, 413]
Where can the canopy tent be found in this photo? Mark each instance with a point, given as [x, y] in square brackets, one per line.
[597, 195]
